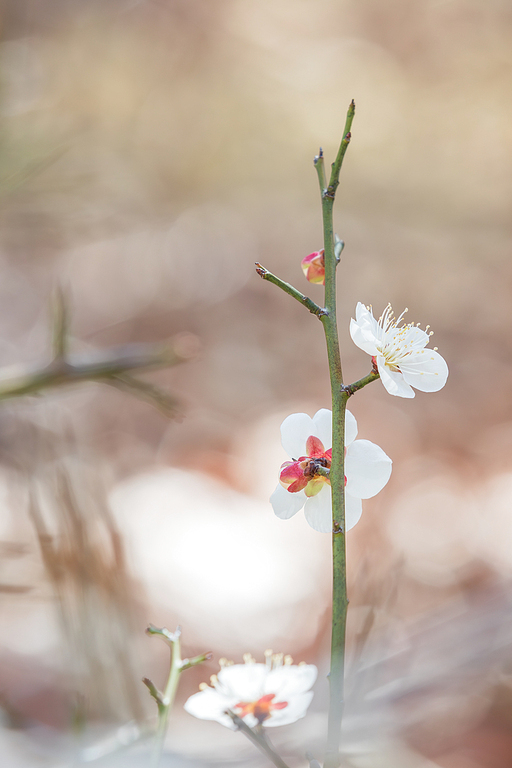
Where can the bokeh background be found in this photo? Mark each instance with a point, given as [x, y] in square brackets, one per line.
[150, 153]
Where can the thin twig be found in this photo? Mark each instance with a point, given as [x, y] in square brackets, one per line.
[336, 166]
[146, 391]
[320, 169]
[350, 389]
[290, 290]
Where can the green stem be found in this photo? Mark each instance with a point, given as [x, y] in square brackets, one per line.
[290, 290]
[337, 473]
[260, 741]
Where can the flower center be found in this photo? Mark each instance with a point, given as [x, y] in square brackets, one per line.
[398, 341]
[261, 709]
[305, 473]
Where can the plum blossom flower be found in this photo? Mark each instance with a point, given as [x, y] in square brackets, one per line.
[313, 267]
[399, 353]
[367, 470]
[270, 694]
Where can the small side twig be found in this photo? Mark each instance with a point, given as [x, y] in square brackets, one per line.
[146, 391]
[351, 389]
[336, 166]
[320, 169]
[290, 290]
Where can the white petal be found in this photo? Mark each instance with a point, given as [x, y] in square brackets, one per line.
[362, 338]
[367, 469]
[323, 427]
[211, 705]
[366, 320]
[286, 504]
[245, 682]
[425, 370]
[318, 510]
[295, 430]
[350, 428]
[289, 680]
[393, 380]
[297, 708]
[353, 511]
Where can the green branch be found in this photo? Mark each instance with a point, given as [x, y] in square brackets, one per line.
[290, 290]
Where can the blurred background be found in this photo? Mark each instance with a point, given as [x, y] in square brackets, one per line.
[150, 153]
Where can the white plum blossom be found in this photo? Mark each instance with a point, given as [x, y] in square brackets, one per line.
[270, 694]
[308, 441]
[399, 352]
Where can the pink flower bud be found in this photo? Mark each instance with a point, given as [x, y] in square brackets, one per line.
[313, 267]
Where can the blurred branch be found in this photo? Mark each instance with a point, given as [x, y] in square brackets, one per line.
[165, 699]
[258, 739]
[112, 366]
[144, 390]
[60, 322]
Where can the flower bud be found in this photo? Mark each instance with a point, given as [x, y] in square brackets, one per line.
[313, 267]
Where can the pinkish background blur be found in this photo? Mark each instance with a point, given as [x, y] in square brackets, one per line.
[150, 153]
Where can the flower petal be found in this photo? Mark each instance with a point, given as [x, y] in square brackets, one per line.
[363, 331]
[393, 380]
[296, 708]
[295, 430]
[322, 421]
[245, 682]
[314, 447]
[361, 339]
[211, 705]
[314, 486]
[290, 472]
[353, 511]
[425, 370]
[350, 428]
[286, 504]
[367, 469]
[289, 680]
[318, 510]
